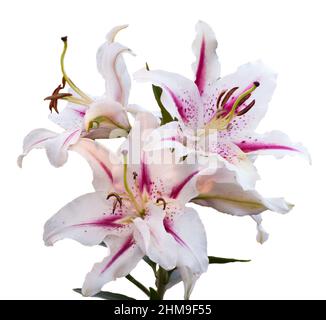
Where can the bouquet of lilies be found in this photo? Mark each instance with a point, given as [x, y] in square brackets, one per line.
[201, 148]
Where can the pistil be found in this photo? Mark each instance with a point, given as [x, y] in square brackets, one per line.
[85, 98]
[132, 198]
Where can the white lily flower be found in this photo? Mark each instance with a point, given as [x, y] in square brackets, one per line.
[85, 116]
[136, 210]
[218, 116]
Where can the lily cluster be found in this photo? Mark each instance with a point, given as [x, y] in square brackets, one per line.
[201, 149]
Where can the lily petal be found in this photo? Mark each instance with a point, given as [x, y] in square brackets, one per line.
[233, 158]
[190, 236]
[124, 256]
[180, 95]
[71, 117]
[271, 143]
[102, 162]
[262, 235]
[154, 240]
[57, 148]
[55, 144]
[206, 67]
[36, 139]
[110, 115]
[113, 69]
[226, 195]
[87, 219]
[245, 76]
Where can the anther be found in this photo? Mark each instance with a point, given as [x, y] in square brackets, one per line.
[228, 95]
[219, 99]
[246, 109]
[118, 199]
[244, 99]
[56, 95]
[163, 201]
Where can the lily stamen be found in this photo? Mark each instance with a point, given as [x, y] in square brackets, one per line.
[56, 95]
[118, 199]
[163, 201]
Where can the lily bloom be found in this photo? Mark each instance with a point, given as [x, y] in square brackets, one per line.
[218, 116]
[86, 116]
[136, 210]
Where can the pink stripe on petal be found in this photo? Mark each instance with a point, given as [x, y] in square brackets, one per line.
[40, 141]
[144, 180]
[179, 105]
[251, 147]
[107, 171]
[122, 250]
[107, 222]
[168, 228]
[178, 188]
[70, 137]
[81, 113]
[201, 68]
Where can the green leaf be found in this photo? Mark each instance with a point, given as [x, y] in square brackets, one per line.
[108, 295]
[166, 116]
[213, 260]
[153, 294]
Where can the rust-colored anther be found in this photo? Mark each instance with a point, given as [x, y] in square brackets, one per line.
[163, 201]
[118, 199]
[56, 95]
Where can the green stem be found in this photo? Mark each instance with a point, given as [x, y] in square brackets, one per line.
[162, 278]
[138, 284]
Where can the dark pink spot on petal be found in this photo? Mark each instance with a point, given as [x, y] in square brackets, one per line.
[201, 69]
[251, 147]
[80, 113]
[178, 188]
[173, 138]
[125, 246]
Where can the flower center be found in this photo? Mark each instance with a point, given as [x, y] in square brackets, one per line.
[229, 107]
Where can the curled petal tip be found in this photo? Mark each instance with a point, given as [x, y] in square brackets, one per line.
[114, 31]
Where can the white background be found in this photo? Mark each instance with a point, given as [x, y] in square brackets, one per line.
[288, 35]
